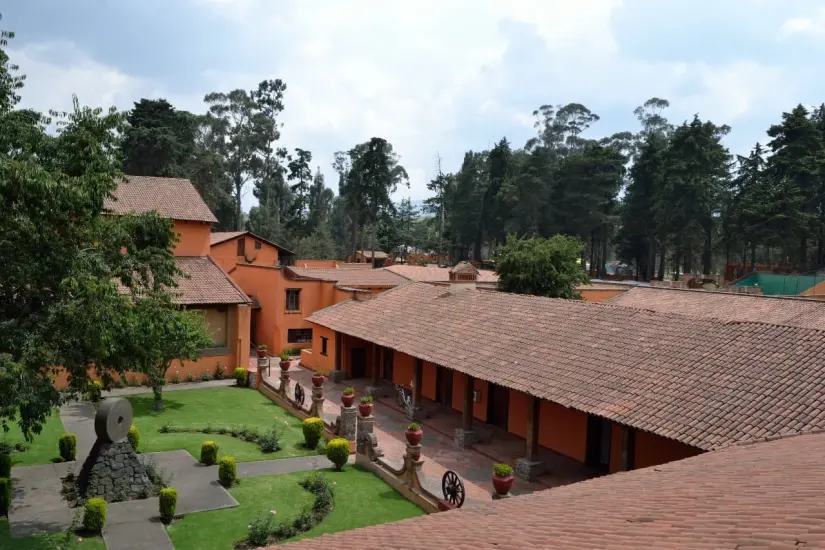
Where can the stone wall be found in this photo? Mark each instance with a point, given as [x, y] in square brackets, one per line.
[114, 472]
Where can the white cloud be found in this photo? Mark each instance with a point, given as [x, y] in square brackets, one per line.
[814, 24]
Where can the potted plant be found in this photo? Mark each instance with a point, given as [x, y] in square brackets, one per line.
[414, 434]
[365, 406]
[348, 396]
[285, 360]
[318, 379]
[261, 350]
[502, 478]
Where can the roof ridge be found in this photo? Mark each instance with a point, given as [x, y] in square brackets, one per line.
[229, 278]
[796, 298]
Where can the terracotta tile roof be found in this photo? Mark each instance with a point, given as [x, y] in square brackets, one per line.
[379, 254]
[726, 306]
[433, 274]
[218, 237]
[761, 496]
[207, 283]
[699, 381]
[346, 276]
[172, 198]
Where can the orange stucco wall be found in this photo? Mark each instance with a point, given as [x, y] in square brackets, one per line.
[615, 448]
[479, 407]
[193, 238]
[563, 430]
[428, 379]
[225, 254]
[315, 360]
[517, 415]
[599, 294]
[652, 449]
[403, 368]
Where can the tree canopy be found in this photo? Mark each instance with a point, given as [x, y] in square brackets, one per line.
[541, 267]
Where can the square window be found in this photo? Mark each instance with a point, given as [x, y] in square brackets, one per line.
[299, 335]
[293, 299]
[324, 341]
[241, 247]
[257, 245]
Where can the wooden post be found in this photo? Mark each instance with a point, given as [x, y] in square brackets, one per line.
[418, 381]
[532, 439]
[467, 412]
[376, 363]
[338, 373]
[628, 438]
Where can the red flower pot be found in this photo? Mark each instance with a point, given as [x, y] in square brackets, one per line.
[285, 365]
[414, 437]
[365, 409]
[261, 353]
[317, 380]
[348, 399]
[503, 484]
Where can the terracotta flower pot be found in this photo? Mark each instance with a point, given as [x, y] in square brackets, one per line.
[347, 399]
[285, 365]
[414, 437]
[317, 380]
[261, 353]
[365, 409]
[503, 484]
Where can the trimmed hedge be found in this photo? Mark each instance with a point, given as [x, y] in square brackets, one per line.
[134, 437]
[168, 503]
[241, 376]
[227, 471]
[313, 430]
[5, 495]
[5, 465]
[67, 445]
[94, 390]
[338, 452]
[94, 515]
[209, 453]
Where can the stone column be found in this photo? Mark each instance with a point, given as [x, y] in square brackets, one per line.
[530, 467]
[317, 408]
[284, 383]
[412, 466]
[367, 443]
[263, 363]
[349, 422]
[628, 451]
[415, 412]
[464, 436]
[338, 375]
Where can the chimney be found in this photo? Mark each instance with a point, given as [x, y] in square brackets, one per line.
[463, 276]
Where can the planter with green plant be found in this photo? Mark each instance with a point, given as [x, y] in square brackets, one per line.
[285, 360]
[261, 350]
[414, 434]
[502, 478]
[348, 396]
[365, 406]
[318, 379]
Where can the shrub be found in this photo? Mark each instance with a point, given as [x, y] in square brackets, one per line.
[93, 390]
[366, 399]
[349, 390]
[241, 376]
[190, 377]
[338, 452]
[209, 453]
[227, 471]
[5, 495]
[259, 530]
[270, 442]
[285, 355]
[5, 465]
[502, 470]
[176, 378]
[318, 373]
[414, 427]
[220, 372]
[206, 376]
[261, 346]
[168, 504]
[120, 384]
[134, 437]
[94, 515]
[313, 429]
[67, 444]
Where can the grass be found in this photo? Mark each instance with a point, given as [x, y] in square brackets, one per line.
[42, 450]
[47, 542]
[229, 406]
[361, 499]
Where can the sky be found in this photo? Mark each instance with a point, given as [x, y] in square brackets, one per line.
[434, 77]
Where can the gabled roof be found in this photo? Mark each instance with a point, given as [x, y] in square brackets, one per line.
[172, 198]
[218, 237]
[433, 274]
[347, 276]
[207, 283]
[726, 306]
[702, 382]
[767, 495]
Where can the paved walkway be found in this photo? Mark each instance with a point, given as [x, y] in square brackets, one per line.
[183, 386]
[38, 506]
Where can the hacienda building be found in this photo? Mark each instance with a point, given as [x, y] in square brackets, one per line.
[615, 388]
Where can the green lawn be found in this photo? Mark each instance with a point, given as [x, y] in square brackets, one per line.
[44, 447]
[361, 499]
[229, 406]
[47, 542]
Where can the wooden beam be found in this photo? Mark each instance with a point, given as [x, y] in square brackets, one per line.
[532, 439]
[418, 381]
[628, 454]
[467, 411]
[376, 363]
[339, 347]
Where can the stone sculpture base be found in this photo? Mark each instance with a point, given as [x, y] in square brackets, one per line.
[114, 473]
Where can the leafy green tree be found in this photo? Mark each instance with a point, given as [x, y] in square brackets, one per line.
[300, 175]
[320, 203]
[541, 267]
[319, 245]
[159, 140]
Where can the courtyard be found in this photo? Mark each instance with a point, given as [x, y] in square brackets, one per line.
[209, 516]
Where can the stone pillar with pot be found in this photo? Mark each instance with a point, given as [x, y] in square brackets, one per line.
[284, 383]
[415, 412]
[317, 408]
[367, 442]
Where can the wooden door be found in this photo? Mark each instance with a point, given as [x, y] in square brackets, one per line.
[498, 406]
[358, 362]
[444, 385]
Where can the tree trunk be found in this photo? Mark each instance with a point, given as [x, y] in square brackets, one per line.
[238, 211]
[706, 253]
[373, 245]
[651, 259]
[354, 239]
[662, 258]
[603, 261]
[753, 257]
[477, 245]
[803, 254]
[158, 391]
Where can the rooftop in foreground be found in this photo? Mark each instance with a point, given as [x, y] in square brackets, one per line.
[764, 495]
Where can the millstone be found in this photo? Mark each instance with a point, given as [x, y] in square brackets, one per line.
[113, 420]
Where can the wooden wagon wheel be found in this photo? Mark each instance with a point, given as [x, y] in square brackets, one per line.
[453, 488]
[299, 395]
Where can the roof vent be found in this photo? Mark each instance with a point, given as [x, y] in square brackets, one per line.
[463, 276]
